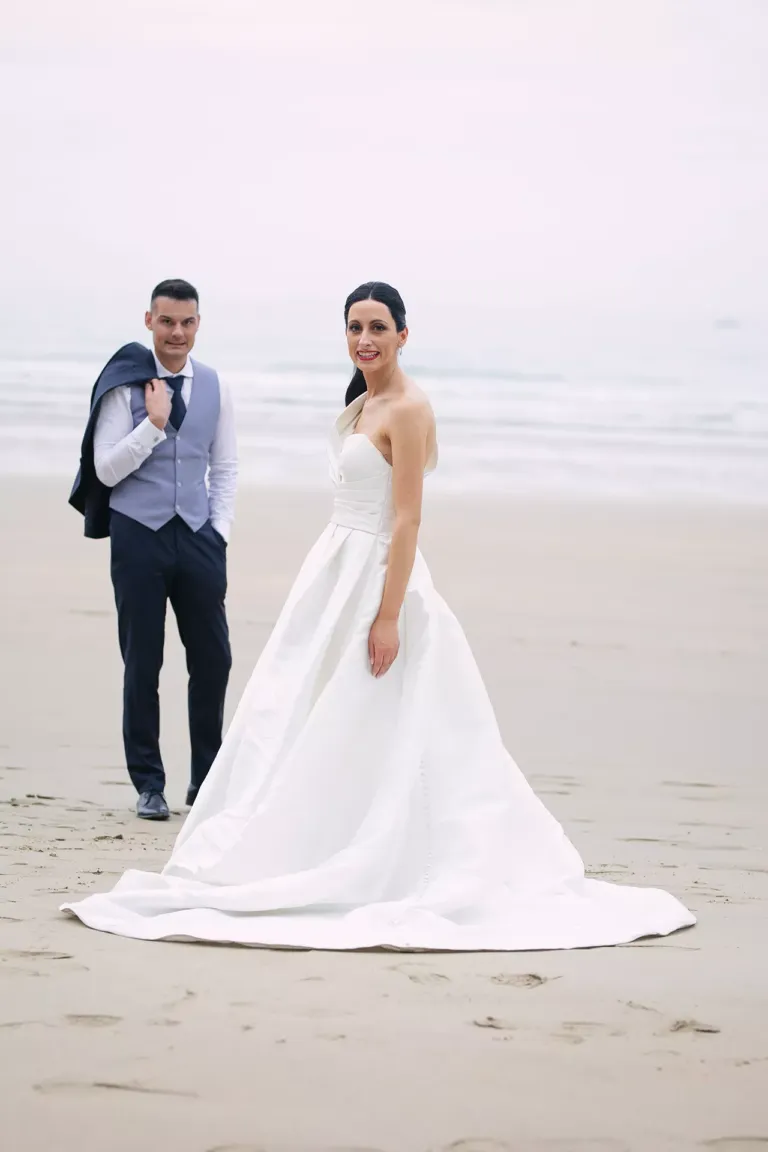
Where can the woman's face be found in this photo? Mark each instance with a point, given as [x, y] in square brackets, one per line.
[372, 338]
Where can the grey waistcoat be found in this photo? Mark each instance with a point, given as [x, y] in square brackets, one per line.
[171, 481]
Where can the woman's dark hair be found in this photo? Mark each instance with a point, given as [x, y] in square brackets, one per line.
[383, 294]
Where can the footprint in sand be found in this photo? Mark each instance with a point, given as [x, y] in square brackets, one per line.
[600, 1144]
[494, 1023]
[183, 999]
[712, 824]
[479, 1144]
[36, 954]
[736, 1143]
[323, 1013]
[577, 1031]
[92, 1021]
[720, 848]
[648, 840]
[292, 1148]
[238, 1148]
[51, 1087]
[23, 1024]
[419, 975]
[686, 784]
[522, 980]
[693, 1026]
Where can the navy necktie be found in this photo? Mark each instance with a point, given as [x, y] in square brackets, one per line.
[178, 407]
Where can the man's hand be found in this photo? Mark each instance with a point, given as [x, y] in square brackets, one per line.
[158, 403]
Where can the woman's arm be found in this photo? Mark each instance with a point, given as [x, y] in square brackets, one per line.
[408, 434]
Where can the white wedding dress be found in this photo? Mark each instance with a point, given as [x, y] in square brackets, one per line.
[345, 811]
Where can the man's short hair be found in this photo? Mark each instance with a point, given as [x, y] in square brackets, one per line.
[175, 290]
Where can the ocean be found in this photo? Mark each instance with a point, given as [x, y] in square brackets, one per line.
[693, 431]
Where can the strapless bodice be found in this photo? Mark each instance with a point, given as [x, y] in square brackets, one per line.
[363, 481]
[362, 477]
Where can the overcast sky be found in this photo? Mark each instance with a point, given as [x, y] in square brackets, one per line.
[489, 157]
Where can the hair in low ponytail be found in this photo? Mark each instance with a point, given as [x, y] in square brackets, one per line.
[355, 388]
[383, 294]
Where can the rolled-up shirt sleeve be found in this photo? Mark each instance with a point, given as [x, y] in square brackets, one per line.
[118, 447]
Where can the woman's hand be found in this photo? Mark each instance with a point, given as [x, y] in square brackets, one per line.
[383, 645]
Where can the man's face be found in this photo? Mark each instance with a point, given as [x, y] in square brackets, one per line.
[174, 325]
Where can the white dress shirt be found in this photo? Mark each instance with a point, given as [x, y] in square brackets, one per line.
[119, 448]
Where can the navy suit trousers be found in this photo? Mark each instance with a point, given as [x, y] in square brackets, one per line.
[189, 569]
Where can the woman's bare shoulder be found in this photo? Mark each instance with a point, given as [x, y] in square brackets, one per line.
[413, 405]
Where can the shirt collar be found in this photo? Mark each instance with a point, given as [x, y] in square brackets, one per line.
[162, 372]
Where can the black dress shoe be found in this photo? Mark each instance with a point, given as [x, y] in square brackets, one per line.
[152, 806]
[191, 795]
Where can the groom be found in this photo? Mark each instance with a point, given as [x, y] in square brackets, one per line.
[159, 421]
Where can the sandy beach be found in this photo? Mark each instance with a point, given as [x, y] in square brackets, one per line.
[625, 647]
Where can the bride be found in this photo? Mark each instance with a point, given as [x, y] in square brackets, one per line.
[362, 796]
